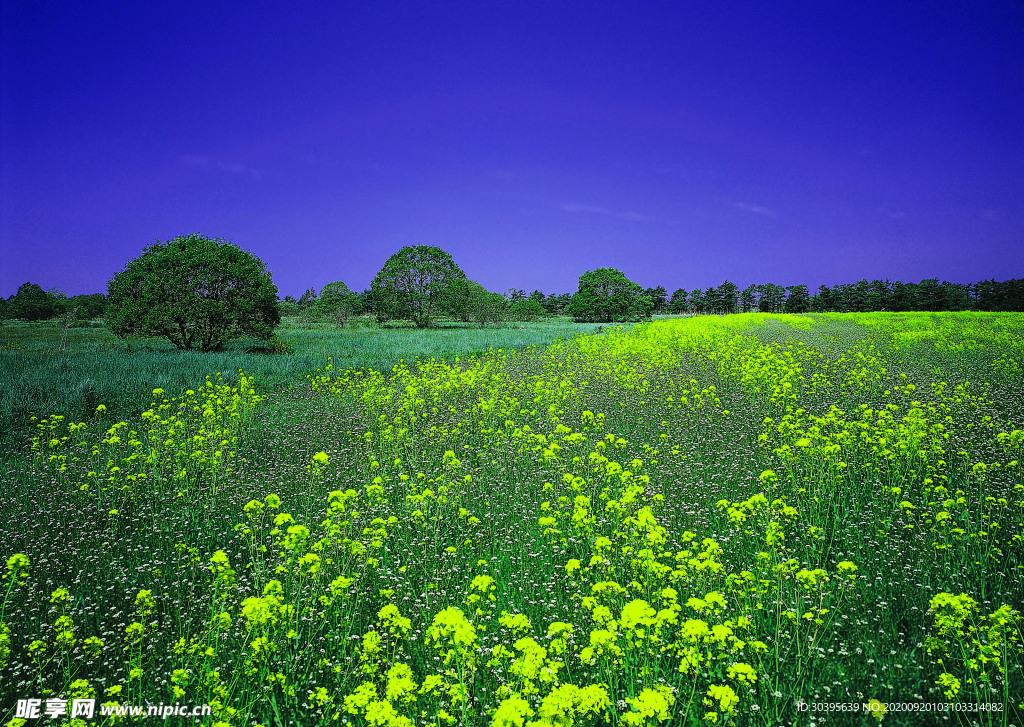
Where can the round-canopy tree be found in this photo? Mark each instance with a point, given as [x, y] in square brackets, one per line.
[337, 302]
[194, 291]
[33, 303]
[607, 295]
[415, 284]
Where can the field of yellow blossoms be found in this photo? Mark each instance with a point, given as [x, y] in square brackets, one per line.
[748, 519]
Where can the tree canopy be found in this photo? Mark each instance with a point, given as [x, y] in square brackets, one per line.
[196, 292]
[606, 295]
[416, 284]
[33, 303]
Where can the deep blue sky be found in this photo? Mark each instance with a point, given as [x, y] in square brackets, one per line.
[682, 142]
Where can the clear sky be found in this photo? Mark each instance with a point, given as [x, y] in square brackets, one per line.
[682, 142]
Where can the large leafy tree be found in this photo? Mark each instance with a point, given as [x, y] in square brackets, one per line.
[607, 295]
[416, 284]
[197, 292]
[33, 303]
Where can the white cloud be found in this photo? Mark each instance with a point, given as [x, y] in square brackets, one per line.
[585, 208]
[756, 209]
[205, 162]
[890, 212]
[630, 216]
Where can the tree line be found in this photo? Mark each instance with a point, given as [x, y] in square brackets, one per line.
[32, 303]
[862, 296]
[199, 292]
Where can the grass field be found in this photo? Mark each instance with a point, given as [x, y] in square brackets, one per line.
[46, 368]
[728, 520]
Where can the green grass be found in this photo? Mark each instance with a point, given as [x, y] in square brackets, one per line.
[46, 369]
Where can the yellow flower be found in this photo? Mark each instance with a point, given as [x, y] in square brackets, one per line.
[512, 712]
[742, 673]
[722, 697]
[452, 622]
[637, 613]
[876, 709]
[656, 703]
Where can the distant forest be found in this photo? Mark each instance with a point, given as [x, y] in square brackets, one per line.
[33, 303]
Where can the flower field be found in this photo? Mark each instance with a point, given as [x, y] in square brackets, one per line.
[725, 520]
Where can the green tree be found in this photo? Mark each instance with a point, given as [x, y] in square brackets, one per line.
[337, 303]
[607, 295]
[486, 307]
[770, 298]
[748, 298]
[461, 299]
[551, 304]
[33, 303]
[288, 306]
[822, 302]
[526, 310]
[713, 300]
[728, 294]
[697, 302]
[88, 306]
[416, 284]
[880, 295]
[677, 303]
[658, 296]
[61, 304]
[196, 292]
[860, 296]
[308, 299]
[798, 300]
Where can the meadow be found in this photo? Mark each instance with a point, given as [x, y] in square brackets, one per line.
[52, 368]
[745, 519]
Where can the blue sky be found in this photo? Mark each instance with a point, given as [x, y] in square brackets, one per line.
[684, 143]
